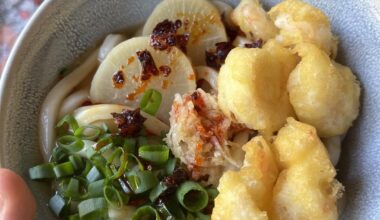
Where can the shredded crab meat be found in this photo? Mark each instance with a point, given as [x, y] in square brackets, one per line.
[199, 134]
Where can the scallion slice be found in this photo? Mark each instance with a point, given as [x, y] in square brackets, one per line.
[171, 210]
[74, 217]
[151, 101]
[72, 189]
[71, 143]
[77, 162]
[57, 204]
[141, 181]
[95, 189]
[93, 208]
[146, 212]
[170, 166]
[157, 191]
[63, 169]
[94, 175]
[123, 157]
[130, 145]
[70, 121]
[156, 154]
[113, 196]
[43, 171]
[88, 132]
[192, 196]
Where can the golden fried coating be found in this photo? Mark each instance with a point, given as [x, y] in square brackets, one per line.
[253, 20]
[300, 22]
[323, 93]
[252, 86]
[247, 193]
[306, 187]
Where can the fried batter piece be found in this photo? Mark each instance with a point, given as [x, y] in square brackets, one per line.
[252, 86]
[323, 93]
[300, 22]
[306, 187]
[247, 193]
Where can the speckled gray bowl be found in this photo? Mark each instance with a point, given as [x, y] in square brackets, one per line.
[61, 30]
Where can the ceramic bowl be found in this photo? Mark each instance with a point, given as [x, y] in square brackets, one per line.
[62, 30]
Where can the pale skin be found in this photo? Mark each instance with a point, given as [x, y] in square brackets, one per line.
[16, 201]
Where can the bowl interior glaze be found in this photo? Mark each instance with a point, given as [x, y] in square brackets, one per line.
[62, 30]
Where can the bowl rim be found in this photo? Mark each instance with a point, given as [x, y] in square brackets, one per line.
[9, 68]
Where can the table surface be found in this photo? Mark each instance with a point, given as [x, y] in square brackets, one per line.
[14, 14]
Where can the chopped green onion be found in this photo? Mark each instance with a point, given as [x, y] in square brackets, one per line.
[190, 216]
[156, 154]
[201, 216]
[151, 101]
[72, 189]
[170, 166]
[142, 140]
[57, 204]
[93, 208]
[95, 189]
[146, 213]
[59, 154]
[70, 121]
[74, 217]
[105, 128]
[192, 196]
[71, 143]
[113, 196]
[103, 142]
[94, 175]
[88, 132]
[157, 191]
[141, 181]
[123, 157]
[137, 160]
[212, 192]
[43, 171]
[76, 161]
[171, 210]
[87, 168]
[130, 145]
[63, 169]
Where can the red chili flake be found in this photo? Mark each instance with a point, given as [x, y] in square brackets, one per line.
[256, 44]
[118, 79]
[165, 35]
[148, 66]
[216, 59]
[165, 70]
[129, 122]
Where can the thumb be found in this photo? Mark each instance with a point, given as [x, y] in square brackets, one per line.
[16, 201]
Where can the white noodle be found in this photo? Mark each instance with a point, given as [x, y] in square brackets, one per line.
[73, 101]
[208, 74]
[52, 103]
[111, 41]
[101, 113]
[333, 146]
[225, 11]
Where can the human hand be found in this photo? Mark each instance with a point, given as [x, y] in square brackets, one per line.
[16, 201]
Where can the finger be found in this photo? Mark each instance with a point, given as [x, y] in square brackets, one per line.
[16, 201]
